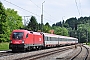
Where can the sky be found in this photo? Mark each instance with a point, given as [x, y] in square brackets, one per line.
[53, 10]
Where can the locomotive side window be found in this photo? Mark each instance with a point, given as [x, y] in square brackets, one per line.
[17, 35]
[26, 35]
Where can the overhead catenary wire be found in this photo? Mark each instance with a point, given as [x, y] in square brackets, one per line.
[44, 11]
[77, 7]
[21, 8]
[25, 9]
[80, 7]
[35, 4]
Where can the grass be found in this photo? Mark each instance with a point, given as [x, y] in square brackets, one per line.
[89, 43]
[4, 46]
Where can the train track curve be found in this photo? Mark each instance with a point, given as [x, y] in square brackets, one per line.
[81, 53]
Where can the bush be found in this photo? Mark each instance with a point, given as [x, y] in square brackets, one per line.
[4, 46]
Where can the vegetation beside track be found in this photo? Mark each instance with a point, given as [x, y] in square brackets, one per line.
[89, 43]
[4, 46]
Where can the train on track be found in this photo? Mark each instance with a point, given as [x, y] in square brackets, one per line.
[21, 40]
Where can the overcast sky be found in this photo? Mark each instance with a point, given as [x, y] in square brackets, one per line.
[54, 10]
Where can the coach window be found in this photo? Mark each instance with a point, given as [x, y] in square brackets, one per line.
[55, 39]
[63, 39]
[46, 38]
[59, 39]
[26, 35]
[50, 38]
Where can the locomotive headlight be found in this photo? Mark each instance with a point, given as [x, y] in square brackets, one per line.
[22, 41]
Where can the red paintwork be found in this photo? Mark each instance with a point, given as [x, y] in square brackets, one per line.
[32, 39]
[38, 38]
[16, 41]
[29, 39]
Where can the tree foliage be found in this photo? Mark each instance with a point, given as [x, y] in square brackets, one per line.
[33, 25]
[78, 28]
[13, 21]
[71, 22]
[2, 22]
[60, 31]
[46, 28]
[9, 20]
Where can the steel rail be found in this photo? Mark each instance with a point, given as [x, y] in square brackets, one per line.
[76, 54]
[86, 53]
[37, 56]
[86, 56]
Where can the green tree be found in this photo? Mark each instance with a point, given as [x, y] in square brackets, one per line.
[71, 22]
[64, 31]
[60, 31]
[66, 25]
[59, 24]
[84, 20]
[53, 25]
[83, 32]
[46, 28]
[39, 27]
[13, 21]
[33, 25]
[2, 22]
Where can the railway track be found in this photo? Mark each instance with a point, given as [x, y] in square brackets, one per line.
[26, 55]
[6, 53]
[40, 55]
[79, 54]
[43, 53]
[82, 54]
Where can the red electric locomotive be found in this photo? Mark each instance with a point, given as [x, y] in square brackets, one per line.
[22, 40]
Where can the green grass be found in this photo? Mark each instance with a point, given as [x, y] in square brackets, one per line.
[4, 46]
[89, 44]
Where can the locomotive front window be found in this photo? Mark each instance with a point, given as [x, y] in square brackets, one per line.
[17, 35]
